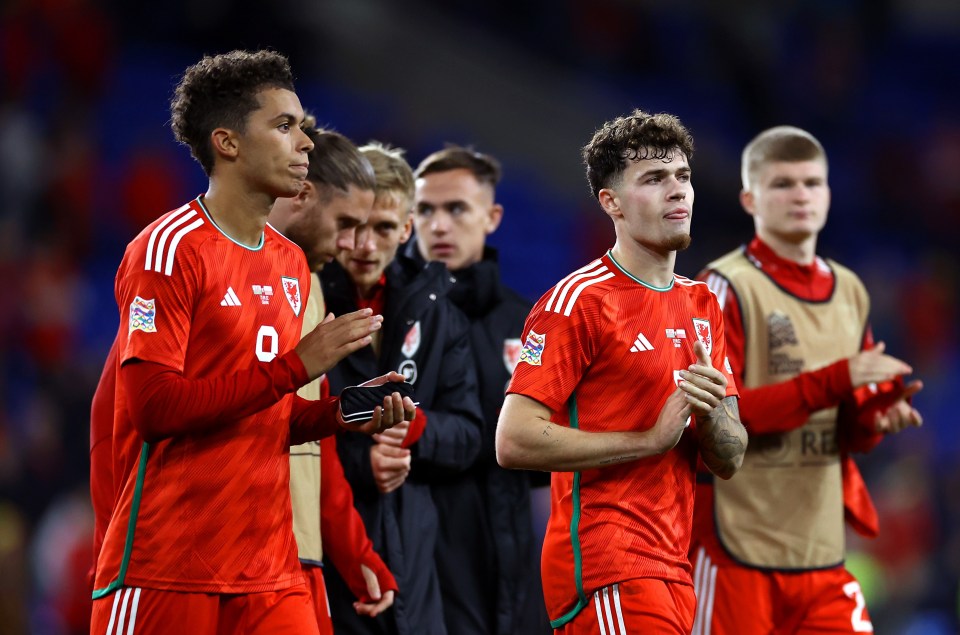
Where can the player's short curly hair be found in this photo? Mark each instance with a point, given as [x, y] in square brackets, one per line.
[221, 91]
[635, 137]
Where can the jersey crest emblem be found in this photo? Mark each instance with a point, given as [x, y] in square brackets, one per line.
[511, 353]
[291, 289]
[143, 315]
[702, 328]
[411, 341]
[532, 349]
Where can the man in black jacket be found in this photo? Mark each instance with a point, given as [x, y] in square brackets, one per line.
[426, 338]
[486, 556]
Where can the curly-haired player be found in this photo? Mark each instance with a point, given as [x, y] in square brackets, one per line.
[208, 357]
[622, 384]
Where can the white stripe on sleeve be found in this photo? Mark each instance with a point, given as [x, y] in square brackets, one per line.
[156, 231]
[572, 281]
[176, 241]
[559, 285]
[158, 259]
[584, 285]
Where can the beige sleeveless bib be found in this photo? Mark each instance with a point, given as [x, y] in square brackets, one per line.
[305, 458]
[784, 508]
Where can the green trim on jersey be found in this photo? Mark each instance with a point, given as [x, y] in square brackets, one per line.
[131, 527]
[636, 279]
[574, 534]
[214, 223]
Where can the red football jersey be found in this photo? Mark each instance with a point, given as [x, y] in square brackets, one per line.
[103, 489]
[603, 351]
[206, 512]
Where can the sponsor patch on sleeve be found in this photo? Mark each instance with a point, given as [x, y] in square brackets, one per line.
[143, 315]
[532, 349]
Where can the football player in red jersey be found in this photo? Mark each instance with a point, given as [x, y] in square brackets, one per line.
[211, 302]
[323, 220]
[813, 388]
[622, 384]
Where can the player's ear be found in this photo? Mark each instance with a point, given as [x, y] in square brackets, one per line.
[225, 143]
[748, 202]
[305, 195]
[610, 202]
[309, 190]
[494, 216]
[407, 228]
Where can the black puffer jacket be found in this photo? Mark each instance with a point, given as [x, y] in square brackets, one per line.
[487, 557]
[437, 359]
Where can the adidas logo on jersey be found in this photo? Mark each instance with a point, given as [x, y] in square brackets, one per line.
[230, 299]
[641, 344]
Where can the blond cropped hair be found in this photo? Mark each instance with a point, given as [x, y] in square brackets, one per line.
[395, 184]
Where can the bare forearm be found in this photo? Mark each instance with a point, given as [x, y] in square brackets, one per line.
[723, 439]
[545, 446]
[527, 439]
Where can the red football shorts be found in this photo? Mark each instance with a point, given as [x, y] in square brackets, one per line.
[737, 600]
[318, 590]
[152, 612]
[642, 605]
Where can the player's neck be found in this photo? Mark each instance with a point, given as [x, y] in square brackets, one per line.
[802, 251]
[652, 267]
[366, 292]
[240, 214]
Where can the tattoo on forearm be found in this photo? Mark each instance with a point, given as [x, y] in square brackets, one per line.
[723, 439]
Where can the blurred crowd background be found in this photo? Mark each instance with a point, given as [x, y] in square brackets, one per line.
[87, 159]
